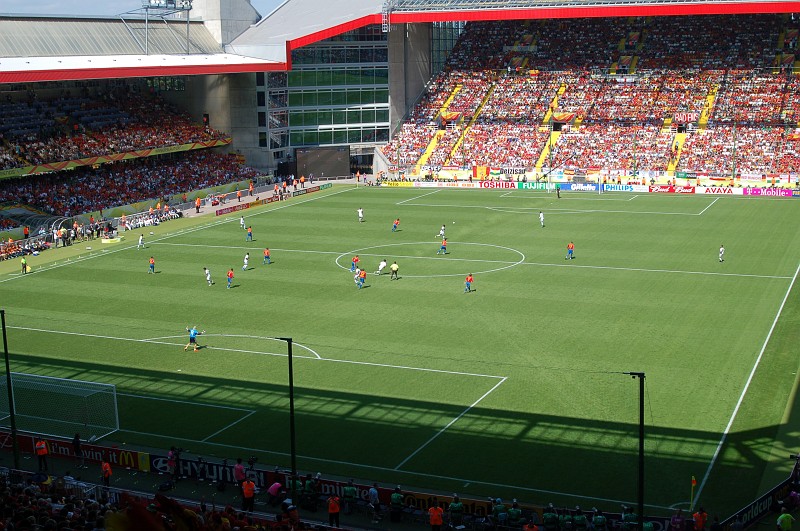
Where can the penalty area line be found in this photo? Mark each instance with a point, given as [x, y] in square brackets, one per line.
[417, 197]
[185, 402]
[444, 428]
[235, 422]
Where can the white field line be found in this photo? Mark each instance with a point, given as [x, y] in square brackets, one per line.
[524, 488]
[205, 246]
[234, 423]
[746, 387]
[180, 232]
[417, 197]
[408, 368]
[232, 408]
[295, 356]
[709, 206]
[540, 264]
[632, 198]
[444, 428]
[157, 342]
[595, 211]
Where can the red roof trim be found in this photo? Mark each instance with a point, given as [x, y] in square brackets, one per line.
[334, 31]
[29, 76]
[599, 11]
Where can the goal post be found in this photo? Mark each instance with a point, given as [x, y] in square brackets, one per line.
[60, 407]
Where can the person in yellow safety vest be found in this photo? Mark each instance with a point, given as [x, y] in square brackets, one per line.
[41, 454]
[248, 495]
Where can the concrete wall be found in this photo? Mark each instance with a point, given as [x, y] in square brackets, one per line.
[230, 102]
[225, 19]
[409, 67]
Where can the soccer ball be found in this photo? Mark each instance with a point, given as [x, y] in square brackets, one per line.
[454, 223]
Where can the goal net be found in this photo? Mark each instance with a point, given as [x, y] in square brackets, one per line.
[60, 407]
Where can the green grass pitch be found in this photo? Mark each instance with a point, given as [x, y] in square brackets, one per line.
[514, 390]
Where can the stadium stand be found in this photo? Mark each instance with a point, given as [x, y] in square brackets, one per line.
[86, 189]
[45, 129]
[622, 88]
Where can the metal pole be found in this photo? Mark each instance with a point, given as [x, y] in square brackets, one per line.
[292, 438]
[187, 29]
[641, 451]
[12, 415]
[640, 493]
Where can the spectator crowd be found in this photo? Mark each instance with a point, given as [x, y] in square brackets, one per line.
[621, 88]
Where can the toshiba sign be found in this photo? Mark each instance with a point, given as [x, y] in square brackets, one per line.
[497, 184]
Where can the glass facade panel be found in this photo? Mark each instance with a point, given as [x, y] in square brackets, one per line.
[340, 136]
[295, 99]
[338, 97]
[309, 99]
[295, 78]
[260, 79]
[353, 96]
[261, 98]
[338, 93]
[325, 117]
[324, 77]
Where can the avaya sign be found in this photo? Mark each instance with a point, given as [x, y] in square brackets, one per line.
[497, 184]
[662, 189]
[719, 190]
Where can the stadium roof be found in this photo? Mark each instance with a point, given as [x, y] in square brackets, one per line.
[49, 48]
[59, 49]
[297, 23]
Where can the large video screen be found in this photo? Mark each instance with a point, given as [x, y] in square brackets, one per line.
[330, 161]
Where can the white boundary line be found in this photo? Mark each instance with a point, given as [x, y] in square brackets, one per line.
[441, 431]
[572, 210]
[156, 342]
[542, 264]
[417, 197]
[201, 404]
[408, 368]
[226, 427]
[746, 387]
[315, 357]
[709, 206]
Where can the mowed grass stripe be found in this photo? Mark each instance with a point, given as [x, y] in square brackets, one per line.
[556, 332]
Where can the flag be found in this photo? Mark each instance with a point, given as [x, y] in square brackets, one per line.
[694, 482]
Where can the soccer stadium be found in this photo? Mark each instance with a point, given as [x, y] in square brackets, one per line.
[466, 264]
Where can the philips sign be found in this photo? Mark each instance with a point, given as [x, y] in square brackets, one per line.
[617, 188]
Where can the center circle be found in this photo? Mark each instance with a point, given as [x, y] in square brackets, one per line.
[505, 265]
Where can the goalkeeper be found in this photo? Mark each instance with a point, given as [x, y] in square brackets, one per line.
[193, 333]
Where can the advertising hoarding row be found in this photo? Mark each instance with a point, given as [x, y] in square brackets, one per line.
[595, 187]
